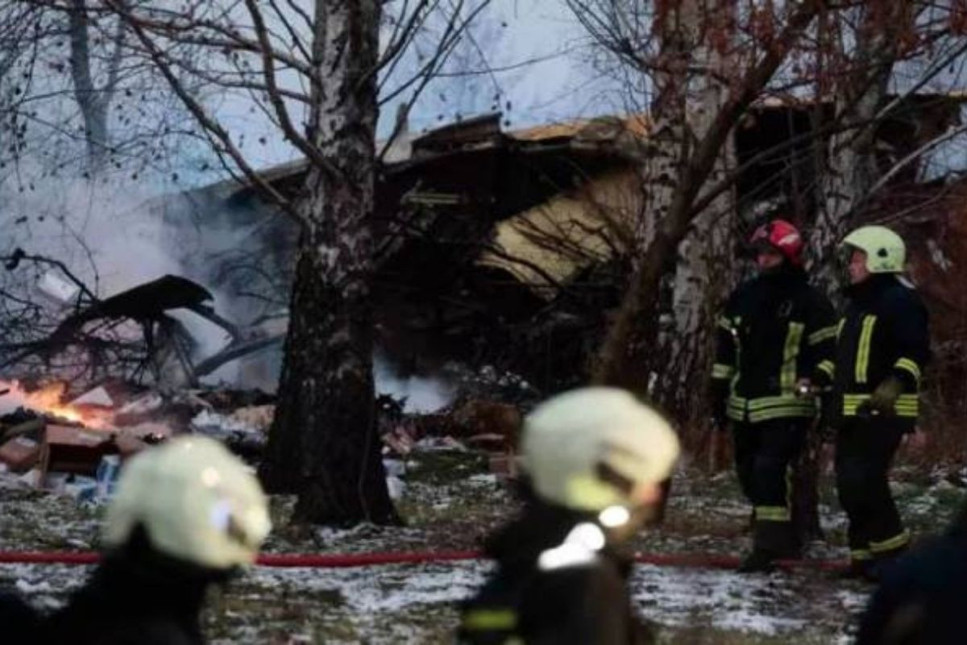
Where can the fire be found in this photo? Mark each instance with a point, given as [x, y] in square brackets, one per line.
[48, 399]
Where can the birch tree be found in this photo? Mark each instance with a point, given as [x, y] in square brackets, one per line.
[319, 73]
[706, 77]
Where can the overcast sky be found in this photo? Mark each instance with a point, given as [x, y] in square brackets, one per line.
[527, 57]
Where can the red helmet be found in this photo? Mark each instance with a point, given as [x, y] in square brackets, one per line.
[781, 236]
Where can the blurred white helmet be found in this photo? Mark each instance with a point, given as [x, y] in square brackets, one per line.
[195, 500]
[590, 448]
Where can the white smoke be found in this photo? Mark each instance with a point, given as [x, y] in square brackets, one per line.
[423, 394]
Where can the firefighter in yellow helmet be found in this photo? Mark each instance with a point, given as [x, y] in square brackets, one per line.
[185, 515]
[595, 461]
[882, 348]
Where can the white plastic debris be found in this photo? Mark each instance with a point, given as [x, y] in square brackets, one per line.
[396, 487]
[58, 291]
[97, 396]
[394, 467]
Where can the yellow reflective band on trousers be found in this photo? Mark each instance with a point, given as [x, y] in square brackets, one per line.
[863, 349]
[787, 378]
[826, 333]
[490, 620]
[910, 366]
[772, 514]
[722, 371]
[770, 407]
[907, 405]
[860, 555]
[894, 543]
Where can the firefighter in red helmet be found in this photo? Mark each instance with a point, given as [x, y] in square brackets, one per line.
[775, 330]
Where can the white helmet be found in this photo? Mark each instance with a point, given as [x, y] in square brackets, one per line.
[196, 501]
[885, 250]
[588, 448]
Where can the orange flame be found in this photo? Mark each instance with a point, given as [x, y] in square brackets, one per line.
[47, 400]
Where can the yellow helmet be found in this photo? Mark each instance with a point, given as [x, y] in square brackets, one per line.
[885, 250]
[196, 502]
[579, 447]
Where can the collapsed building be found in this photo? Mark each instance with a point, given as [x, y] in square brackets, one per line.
[502, 248]
[508, 248]
[495, 248]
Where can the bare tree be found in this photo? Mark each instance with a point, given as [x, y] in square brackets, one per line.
[325, 64]
[94, 101]
[687, 149]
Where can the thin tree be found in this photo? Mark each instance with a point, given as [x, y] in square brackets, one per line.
[327, 63]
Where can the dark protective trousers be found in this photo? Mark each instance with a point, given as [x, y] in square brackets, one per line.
[864, 452]
[764, 456]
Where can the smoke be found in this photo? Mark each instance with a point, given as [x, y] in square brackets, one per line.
[105, 234]
[112, 238]
[422, 394]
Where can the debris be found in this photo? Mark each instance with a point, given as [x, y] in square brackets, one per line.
[106, 475]
[23, 428]
[399, 440]
[258, 417]
[396, 487]
[504, 466]
[20, 454]
[481, 417]
[96, 397]
[240, 437]
[75, 450]
[59, 292]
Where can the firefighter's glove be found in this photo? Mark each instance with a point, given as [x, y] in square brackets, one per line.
[804, 389]
[884, 397]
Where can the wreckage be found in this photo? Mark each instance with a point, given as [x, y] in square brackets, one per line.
[495, 248]
[508, 247]
[103, 332]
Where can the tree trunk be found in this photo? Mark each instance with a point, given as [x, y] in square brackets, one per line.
[629, 340]
[850, 170]
[323, 443]
[846, 177]
[89, 100]
[704, 264]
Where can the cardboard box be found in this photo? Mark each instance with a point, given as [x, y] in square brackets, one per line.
[75, 450]
[20, 454]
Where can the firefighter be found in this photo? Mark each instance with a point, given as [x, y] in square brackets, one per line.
[921, 598]
[775, 331]
[881, 351]
[594, 462]
[185, 515]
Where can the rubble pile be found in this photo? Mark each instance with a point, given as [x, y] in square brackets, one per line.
[77, 445]
[75, 442]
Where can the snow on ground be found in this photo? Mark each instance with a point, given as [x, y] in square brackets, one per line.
[387, 603]
[450, 502]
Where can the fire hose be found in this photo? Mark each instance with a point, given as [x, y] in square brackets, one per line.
[343, 560]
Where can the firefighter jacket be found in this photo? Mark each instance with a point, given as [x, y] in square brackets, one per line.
[536, 600]
[883, 333]
[920, 598]
[775, 330]
[136, 596]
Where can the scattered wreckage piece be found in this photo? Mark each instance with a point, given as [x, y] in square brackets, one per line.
[165, 347]
[489, 426]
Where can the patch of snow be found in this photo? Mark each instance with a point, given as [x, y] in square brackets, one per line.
[482, 479]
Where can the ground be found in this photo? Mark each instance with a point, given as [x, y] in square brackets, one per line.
[450, 501]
